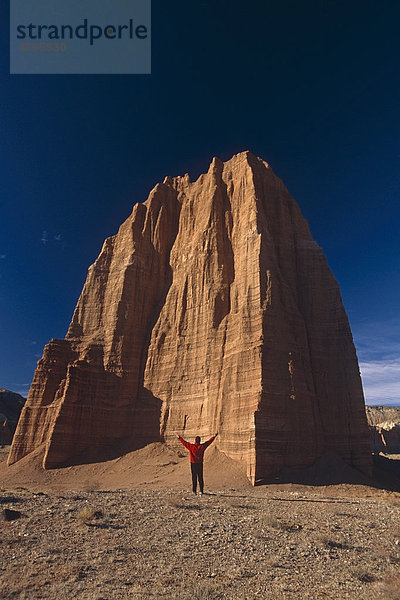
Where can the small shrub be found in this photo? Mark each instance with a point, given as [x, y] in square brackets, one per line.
[334, 544]
[271, 521]
[87, 514]
[364, 576]
[328, 542]
[177, 501]
[391, 585]
[199, 591]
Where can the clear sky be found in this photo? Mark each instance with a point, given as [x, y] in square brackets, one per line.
[312, 87]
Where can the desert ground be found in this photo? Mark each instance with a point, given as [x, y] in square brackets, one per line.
[131, 528]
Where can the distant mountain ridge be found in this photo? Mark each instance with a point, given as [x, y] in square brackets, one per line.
[381, 414]
[384, 424]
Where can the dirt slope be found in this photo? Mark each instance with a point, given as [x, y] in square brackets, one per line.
[156, 466]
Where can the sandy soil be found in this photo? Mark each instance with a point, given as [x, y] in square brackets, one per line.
[157, 465]
[130, 528]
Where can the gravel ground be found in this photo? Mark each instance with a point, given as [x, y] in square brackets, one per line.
[270, 543]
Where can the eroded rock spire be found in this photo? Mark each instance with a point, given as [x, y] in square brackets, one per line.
[212, 308]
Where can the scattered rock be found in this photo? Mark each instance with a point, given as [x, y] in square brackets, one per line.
[8, 514]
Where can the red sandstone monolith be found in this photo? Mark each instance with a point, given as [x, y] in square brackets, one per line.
[212, 309]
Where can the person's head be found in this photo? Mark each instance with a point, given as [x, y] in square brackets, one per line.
[197, 439]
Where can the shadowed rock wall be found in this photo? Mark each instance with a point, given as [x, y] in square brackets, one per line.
[10, 409]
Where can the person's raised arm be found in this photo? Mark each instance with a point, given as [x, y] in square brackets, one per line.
[182, 441]
[210, 441]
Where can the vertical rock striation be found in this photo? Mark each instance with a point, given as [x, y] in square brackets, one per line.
[211, 309]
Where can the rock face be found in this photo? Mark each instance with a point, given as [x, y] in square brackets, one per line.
[10, 409]
[384, 425]
[212, 309]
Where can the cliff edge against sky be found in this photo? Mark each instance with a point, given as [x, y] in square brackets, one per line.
[212, 309]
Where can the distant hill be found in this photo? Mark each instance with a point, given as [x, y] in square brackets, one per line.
[382, 414]
[384, 425]
[10, 408]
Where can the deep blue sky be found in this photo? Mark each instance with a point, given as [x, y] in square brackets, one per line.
[313, 88]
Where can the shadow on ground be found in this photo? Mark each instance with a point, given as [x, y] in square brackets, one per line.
[330, 469]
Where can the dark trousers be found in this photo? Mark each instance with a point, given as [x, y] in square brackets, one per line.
[197, 474]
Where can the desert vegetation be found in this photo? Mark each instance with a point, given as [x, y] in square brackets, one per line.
[274, 542]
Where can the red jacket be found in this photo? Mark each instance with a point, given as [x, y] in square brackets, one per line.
[196, 450]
